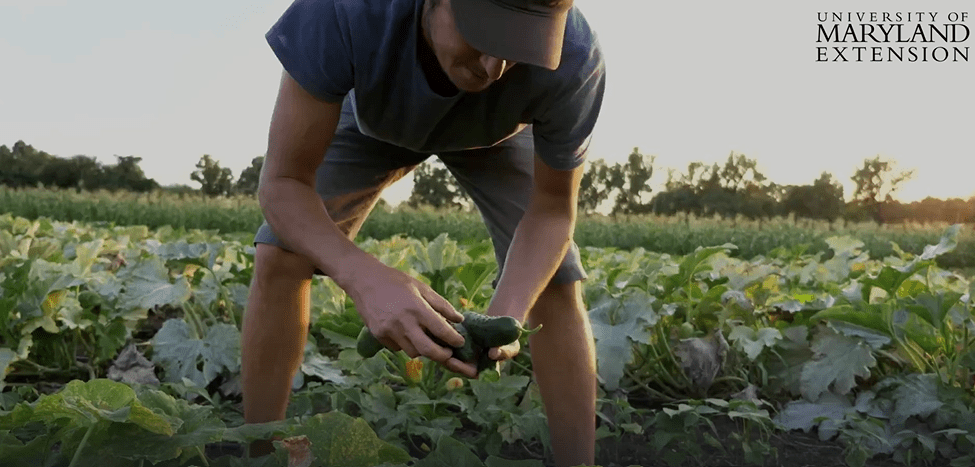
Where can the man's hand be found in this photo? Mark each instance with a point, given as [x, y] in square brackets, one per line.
[402, 313]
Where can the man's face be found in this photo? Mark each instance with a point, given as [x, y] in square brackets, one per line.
[466, 67]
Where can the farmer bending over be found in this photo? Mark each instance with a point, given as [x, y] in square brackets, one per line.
[506, 94]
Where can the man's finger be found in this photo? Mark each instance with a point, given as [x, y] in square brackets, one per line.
[437, 326]
[407, 347]
[441, 305]
[457, 366]
[505, 352]
[430, 349]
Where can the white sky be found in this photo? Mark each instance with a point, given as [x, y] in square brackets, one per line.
[687, 81]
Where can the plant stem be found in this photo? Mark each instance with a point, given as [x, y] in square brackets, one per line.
[199, 449]
[84, 441]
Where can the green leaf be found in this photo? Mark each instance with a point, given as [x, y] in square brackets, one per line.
[147, 286]
[837, 361]
[827, 412]
[752, 341]
[874, 339]
[342, 441]
[915, 395]
[87, 403]
[916, 330]
[7, 356]
[872, 317]
[14, 453]
[934, 308]
[844, 246]
[616, 326]
[438, 254]
[322, 367]
[499, 462]
[450, 453]
[180, 355]
[197, 426]
[493, 393]
[246, 433]
[948, 242]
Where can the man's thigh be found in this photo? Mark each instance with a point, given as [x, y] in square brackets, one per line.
[351, 178]
[499, 179]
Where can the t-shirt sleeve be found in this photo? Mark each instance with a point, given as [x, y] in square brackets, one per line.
[563, 130]
[313, 44]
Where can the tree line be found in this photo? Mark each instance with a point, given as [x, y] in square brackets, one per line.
[728, 190]
[24, 166]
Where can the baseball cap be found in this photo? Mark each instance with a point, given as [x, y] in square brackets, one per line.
[525, 31]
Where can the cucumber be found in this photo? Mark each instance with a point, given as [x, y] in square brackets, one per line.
[481, 332]
[467, 352]
[367, 345]
[493, 331]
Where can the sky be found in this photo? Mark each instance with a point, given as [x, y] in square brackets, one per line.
[686, 82]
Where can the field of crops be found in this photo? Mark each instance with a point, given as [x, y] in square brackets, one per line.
[120, 346]
[239, 217]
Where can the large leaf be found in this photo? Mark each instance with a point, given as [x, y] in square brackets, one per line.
[120, 445]
[147, 286]
[339, 440]
[915, 395]
[181, 355]
[872, 317]
[616, 326]
[837, 361]
[87, 403]
[948, 242]
[450, 453]
[827, 412]
[7, 356]
[753, 341]
[438, 254]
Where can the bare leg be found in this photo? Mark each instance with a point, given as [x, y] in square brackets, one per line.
[564, 362]
[274, 332]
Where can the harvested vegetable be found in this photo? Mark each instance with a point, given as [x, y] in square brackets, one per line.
[481, 333]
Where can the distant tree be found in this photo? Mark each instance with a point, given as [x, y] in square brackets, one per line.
[127, 175]
[821, 200]
[594, 187]
[22, 165]
[677, 200]
[250, 177]
[958, 211]
[681, 192]
[630, 182]
[739, 174]
[213, 179]
[434, 185]
[876, 182]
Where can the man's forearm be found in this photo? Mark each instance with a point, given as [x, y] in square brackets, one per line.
[299, 219]
[536, 251]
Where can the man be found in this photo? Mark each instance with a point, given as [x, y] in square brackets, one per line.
[505, 93]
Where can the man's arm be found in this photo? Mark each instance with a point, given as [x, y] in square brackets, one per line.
[301, 129]
[398, 309]
[540, 241]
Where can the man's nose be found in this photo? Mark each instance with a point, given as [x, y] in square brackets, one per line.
[493, 66]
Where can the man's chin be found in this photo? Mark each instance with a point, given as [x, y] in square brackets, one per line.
[473, 85]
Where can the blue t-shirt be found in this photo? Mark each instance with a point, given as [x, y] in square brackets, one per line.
[367, 49]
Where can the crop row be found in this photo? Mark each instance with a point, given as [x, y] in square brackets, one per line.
[240, 217]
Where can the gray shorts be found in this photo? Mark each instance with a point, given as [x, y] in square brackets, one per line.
[498, 179]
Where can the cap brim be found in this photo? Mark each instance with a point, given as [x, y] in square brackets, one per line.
[500, 31]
